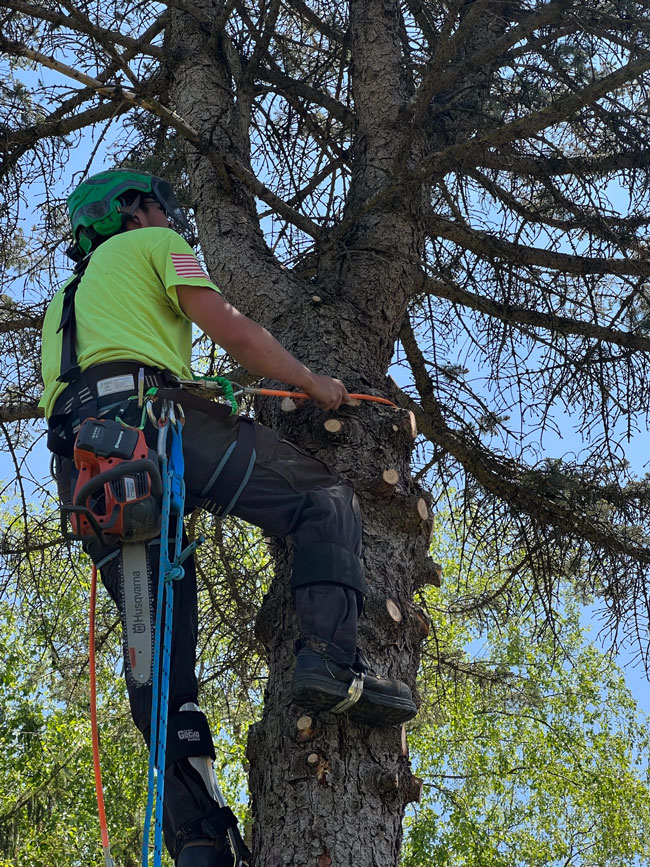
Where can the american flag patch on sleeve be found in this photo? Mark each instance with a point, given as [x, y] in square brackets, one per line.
[187, 265]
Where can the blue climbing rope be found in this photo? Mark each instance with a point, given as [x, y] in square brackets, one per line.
[173, 503]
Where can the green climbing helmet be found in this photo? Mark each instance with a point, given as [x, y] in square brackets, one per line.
[97, 212]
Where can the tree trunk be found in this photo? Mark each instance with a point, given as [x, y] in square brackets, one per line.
[325, 791]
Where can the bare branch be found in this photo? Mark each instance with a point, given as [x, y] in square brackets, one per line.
[18, 142]
[285, 84]
[456, 155]
[485, 244]
[20, 412]
[82, 24]
[550, 166]
[514, 315]
[503, 477]
[332, 33]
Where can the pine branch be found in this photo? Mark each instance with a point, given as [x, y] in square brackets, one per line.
[82, 24]
[504, 478]
[514, 315]
[17, 142]
[24, 411]
[562, 109]
[172, 119]
[286, 84]
[551, 166]
[485, 244]
[438, 78]
[332, 33]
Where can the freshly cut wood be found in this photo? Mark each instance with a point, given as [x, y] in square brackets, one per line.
[410, 424]
[394, 611]
[404, 746]
[306, 728]
[390, 477]
[423, 509]
[384, 485]
[288, 405]
[333, 425]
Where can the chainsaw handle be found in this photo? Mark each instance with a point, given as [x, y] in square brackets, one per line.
[117, 472]
[66, 511]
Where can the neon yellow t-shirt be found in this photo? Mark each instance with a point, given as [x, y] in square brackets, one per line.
[126, 307]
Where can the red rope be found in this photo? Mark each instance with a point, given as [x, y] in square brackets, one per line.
[93, 718]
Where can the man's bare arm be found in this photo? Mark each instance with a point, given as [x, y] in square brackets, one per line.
[254, 347]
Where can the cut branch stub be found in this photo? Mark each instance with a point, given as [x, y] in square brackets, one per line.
[288, 405]
[319, 766]
[307, 728]
[414, 791]
[410, 424]
[394, 611]
[333, 426]
[413, 514]
[384, 485]
[423, 509]
[404, 746]
[422, 622]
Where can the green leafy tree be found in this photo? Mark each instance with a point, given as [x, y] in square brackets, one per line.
[532, 751]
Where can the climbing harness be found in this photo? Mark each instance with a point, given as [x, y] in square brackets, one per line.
[128, 495]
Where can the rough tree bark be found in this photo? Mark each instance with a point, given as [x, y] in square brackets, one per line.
[336, 794]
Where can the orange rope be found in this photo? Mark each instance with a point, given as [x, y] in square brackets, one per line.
[93, 722]
[301, 395]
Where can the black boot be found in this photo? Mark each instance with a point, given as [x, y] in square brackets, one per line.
[206, 853]
[329, 674]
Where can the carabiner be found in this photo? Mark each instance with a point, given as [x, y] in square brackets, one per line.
[152, 418]
[162, 439]
[164, 413]
[240, 389]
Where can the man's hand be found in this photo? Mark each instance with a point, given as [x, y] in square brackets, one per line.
[328, 393]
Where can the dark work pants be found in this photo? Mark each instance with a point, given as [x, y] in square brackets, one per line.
[288, 493]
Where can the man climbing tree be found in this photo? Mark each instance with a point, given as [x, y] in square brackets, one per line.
[126, 316]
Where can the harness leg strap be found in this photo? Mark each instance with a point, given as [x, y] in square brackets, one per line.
[234, 469]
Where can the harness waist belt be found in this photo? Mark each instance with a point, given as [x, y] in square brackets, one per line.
[97, 387]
